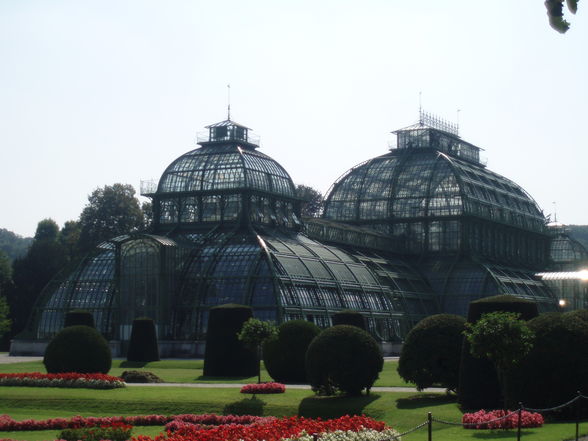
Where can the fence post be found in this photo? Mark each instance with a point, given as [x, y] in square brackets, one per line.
[519, 421]
[578, 416]
[430, 424]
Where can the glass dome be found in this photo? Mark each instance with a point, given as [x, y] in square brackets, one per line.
[432, 196]
[226, 180]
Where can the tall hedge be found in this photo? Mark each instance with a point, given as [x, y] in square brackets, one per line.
[557, 366]
[349, 317]
[284, 354]
[143, 344]
[77, 317]
[78, 349]
[225, 355]
[478, 382]
[432, 351]
[343, 359]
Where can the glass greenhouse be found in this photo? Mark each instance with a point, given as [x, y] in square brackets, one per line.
[423, 229]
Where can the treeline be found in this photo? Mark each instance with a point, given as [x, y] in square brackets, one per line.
[110, 212]
[13, 245]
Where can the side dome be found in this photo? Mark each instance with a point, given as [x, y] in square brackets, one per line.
[225, 180]
[432, 194]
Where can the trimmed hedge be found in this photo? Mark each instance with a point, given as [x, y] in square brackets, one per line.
[284, 355]
[225, 355]
[349, 317]
[143, 344]
[78, 317]
[431, 352]
[478, 382]
[557, 366]
[343, 359]
[78, 349]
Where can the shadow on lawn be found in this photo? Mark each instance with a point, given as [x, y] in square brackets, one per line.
[424, 400]
[133, 364]
[246, 406]
[499, 434]
[334, 407]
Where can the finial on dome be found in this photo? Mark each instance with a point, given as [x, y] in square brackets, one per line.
[228, 102]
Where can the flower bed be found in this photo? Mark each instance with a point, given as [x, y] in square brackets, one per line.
[70, 379]
[485, 420]
[351, 428]
[111, 432]
[263, 388]
[8, 424]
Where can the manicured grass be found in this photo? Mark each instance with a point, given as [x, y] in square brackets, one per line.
[190, 371]
[400, 410]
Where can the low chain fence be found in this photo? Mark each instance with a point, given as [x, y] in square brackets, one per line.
[428, 423]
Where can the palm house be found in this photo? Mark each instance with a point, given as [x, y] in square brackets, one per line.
[422, 229]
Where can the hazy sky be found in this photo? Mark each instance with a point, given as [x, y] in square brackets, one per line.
[98, 92]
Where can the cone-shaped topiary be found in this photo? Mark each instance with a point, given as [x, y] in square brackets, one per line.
[143, 343]
[78, 349]
[343, 359]
[432, 350]
[77, 317]
[349, 317]
[284, 355]
[225, 355]
[478, 381]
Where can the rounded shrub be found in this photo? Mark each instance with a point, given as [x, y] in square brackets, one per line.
[349, 317]
[77, 317]
[479, 387]
[78, 349]
[557, 366]
[284, 354]
[225, 355]
[143, 343]
[431, 352]
[343, 359]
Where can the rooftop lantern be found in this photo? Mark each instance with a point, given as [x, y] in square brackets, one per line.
[432, 132]
[229, 132]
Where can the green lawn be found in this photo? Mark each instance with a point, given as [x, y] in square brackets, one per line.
[190, 371]
[401, 410]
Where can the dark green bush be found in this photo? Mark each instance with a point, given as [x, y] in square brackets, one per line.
[349, 317]
[582, 314]
[225, 355]
[140, 377]
[557, 366]
[284, 354]
[143, 343]
[478, 382]
[116, 432]
[343, 359]
[77, 317]
[78, 349]
[431, 352]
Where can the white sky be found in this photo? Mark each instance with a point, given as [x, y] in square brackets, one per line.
[98, 92]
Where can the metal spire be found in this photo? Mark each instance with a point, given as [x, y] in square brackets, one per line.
[228, 102]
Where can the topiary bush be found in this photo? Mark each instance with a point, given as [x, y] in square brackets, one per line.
[343, 359]
[478, 382]
[77, 317]
[432, 351]
[349, 317]
[140, 377]
[284, 355]
[78, 349]
[557, 366]
[225, 355]
[143, 343]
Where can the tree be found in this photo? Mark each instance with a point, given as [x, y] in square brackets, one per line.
[69, 238]
[431, 352]
[254, 333]
[502, 338]
[32, 272]
[555, 13]
[111, 211]
[4, 320]
[312, 201]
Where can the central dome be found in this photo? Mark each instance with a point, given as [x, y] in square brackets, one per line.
[227, 181]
